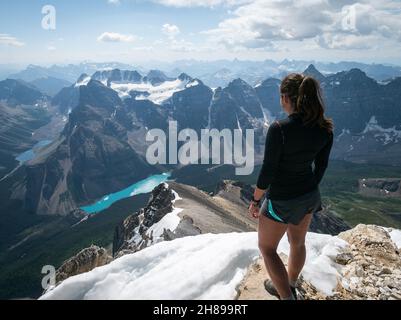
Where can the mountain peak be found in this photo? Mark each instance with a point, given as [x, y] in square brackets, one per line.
[355, 75]
[358, 72]
[82, 77]
[238, 82]
[156, 74]
[184, 77]
[313, 72]
[156, 77]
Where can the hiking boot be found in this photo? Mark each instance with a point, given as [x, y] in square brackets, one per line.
[270, 288]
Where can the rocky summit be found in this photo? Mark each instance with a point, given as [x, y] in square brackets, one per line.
[372, 265]
[368, 269]
[365, 265]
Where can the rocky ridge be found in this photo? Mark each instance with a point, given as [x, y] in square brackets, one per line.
[86, 260]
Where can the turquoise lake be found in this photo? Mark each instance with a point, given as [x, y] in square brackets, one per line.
[140, 187]
[31, 153]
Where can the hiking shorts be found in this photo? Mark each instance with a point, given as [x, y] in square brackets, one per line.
[294, 210]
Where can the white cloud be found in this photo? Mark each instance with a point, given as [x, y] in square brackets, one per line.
[201, 3]
[114, 2]
[170, 30]
[116, 37]
[7, 40]
[341, 24]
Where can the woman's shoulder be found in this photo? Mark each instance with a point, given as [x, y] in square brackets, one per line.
[276, 126]
[280, 124]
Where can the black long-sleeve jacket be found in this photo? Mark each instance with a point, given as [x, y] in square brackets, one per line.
[291, 149]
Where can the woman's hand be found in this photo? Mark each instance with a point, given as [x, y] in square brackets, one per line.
[254, 210]
[254, 206]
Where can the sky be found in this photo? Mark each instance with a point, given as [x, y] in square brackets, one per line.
[135, 31]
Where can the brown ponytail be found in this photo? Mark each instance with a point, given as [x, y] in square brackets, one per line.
[305, 95]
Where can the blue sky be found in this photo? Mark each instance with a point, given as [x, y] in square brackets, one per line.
[134, 31]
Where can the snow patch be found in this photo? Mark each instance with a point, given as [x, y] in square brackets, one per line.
[205, 266]
[386, 135]
[83, 82]
[192, 84]
[157, 94]
[169, 221]
[396, 237]
[343, 133]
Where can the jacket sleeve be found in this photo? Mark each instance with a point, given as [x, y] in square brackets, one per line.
[273, 151]
[322, 160]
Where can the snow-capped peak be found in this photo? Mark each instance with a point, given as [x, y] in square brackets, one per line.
[83, 80]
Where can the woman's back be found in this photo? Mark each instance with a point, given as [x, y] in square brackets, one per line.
[291, 149]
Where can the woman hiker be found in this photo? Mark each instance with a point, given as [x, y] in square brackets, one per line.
[296, 157]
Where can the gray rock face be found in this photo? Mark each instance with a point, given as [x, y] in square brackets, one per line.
[86, 260]
[17, 92]
[190, 107]
[229, 190]
[380, 187]
[325, 222]
[367, 117]
[23, 109]
[269, 95]
[91, 158]
[117, 75]
[246, 98]
[156, 77]
[131, 235]
[66, 99]
[237, 107]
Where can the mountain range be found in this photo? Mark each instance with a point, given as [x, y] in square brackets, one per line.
[101, 148]
[212, 73]
[96, 127]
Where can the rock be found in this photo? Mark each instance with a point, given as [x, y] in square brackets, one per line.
[396, 295]
[131, 235]
[371, 291]
[84, 261]
[326, 222]
[344, 258]
[389, 187]
[251, 287]
[374, 242]
[386, 270]
[123, 232]
[359, 272]
[375, 258]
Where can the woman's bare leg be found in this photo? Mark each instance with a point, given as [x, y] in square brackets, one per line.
[296, 237]
[269, 236]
